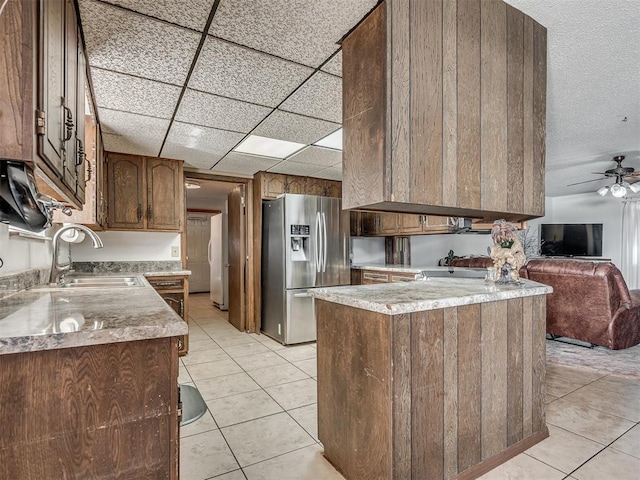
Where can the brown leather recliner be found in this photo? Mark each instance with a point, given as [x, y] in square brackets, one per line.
[472, 262]
[590, 301]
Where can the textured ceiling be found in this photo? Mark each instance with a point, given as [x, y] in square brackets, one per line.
[272, 67]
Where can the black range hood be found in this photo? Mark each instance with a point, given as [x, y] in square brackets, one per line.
[19, 205]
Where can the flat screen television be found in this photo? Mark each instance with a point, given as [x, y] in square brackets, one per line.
[571, 239]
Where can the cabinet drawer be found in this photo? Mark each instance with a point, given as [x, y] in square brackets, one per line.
[375, 277]
[161, 283]
[403, 277]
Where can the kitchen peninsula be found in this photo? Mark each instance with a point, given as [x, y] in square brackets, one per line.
[89, 383]
[438, 379]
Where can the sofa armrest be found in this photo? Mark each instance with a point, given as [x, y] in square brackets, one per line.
[635, 298]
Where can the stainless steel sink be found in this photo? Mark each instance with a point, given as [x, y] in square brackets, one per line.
[105, 282]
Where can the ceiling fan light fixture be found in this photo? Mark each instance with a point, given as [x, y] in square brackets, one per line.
[635, 187]
[618, 190]
[603, 191]
[191, 184]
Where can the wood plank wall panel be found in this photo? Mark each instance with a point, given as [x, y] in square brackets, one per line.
[469, 386]
[493, 97]
[539, 114]
[515, 114]
[450, 352]
[16, 78]
[401, 396]
[527, 123]
[426, 102]
[539, 346]
[400, 100]
[514, 372]
[494, 378]
[364, 110]
[354, 389]
[468, 131]
[89, 412]
[427, 387]
[449, 103]
[527, 365]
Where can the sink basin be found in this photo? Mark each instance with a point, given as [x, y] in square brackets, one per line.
[105, 282]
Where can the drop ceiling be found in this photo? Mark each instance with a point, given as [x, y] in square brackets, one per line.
[190, 79]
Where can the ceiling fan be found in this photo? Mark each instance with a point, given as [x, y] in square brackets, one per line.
[622, 176]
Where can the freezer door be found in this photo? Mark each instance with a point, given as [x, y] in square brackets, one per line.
[335, 243]
[272, 273]
[301, 317]
[301, 233]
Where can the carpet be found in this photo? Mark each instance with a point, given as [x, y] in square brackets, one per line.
[624, 363]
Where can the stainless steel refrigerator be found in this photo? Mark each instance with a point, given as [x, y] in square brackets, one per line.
[305, 244]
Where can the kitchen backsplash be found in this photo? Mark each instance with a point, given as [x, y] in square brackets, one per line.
[128, 266]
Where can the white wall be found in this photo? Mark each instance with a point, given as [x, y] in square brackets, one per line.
[20, 254]
[592, 208]
[128, 246]
[426, 250]
[367, 250]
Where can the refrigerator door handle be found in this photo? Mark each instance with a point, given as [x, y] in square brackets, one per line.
[209, 252]
[324, 243]
[318, 253]
[298, 295]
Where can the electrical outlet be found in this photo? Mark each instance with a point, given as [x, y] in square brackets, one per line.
[175, 251]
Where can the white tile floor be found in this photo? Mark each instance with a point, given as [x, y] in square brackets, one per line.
[261, 423]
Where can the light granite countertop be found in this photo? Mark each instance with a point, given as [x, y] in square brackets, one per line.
[49, 318]
[389, 267]
[169, 273]
[430, 294]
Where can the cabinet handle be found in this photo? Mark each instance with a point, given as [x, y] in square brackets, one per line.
[80, 157]
[182, 309]
[89, 173]
[68, 123]
[139, 212]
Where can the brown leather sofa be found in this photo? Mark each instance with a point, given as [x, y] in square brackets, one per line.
[590, 301]
[472, 262]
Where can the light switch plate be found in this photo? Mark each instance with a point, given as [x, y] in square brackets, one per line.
[175, 251]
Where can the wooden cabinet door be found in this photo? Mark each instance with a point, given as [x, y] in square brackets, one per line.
[388, 223]
[295, 184]
[316, 186]
[164, 194]
[51, 82]
[126, 195]
[355, 223]
[101, 180]
[273, 185]
[81, 141]
[369, 223]
[437, 224]
[70, 96]
[334, 188]
[410, 223]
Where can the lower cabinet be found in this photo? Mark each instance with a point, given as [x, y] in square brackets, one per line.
[97, 411]
[367, 277]
[175, 291]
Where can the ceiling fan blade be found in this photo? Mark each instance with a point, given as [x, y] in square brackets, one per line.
[586, 181]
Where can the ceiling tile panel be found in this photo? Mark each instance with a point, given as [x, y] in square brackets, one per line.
[331, 173]
[136, 95]
[195, 143]
[305, 31]
[294, 168]
[325, 157]
[188, 13]
[219, 112]
[242, 164]
[320, 97]
[131, 43]
[125, 123]
[131, 144]
[334, 65]
[238, 72]
[295, 128]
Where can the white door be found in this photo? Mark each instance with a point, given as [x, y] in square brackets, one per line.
[198, 236]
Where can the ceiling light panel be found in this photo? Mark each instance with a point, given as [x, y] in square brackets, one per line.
[334, 66]
[188, 13]
[319, 97]
[198, 145]
[219, 112]
[294, 128]
[305, 31]
[267, 147]
[132, 144]
[237, 163]
[135, 95]
[244, 74]
[294, 168]
[331, 173]
[331, 141]
[325, 157]
[131, 43]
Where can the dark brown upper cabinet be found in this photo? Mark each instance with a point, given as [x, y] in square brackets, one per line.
[144, 193]
[444, 110]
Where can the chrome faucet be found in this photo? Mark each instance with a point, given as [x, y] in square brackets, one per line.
[56, 269]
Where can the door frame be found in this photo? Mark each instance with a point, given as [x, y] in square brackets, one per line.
[249, 307]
